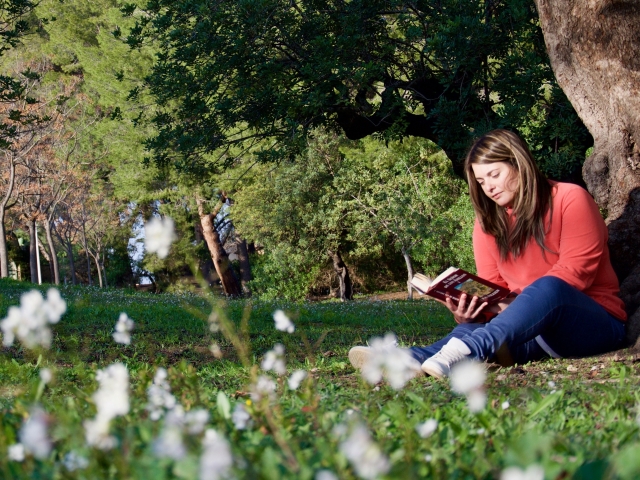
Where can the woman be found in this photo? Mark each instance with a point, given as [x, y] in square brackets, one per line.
[545, 241]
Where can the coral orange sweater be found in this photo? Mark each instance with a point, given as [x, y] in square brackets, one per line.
[578, 235]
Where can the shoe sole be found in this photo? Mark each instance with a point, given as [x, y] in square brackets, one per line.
[358, 356]
[433, 370]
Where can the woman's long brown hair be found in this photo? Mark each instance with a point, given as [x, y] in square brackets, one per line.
[532, 199]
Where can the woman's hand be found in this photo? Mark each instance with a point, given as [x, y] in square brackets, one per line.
[463, 313]
[501, 305]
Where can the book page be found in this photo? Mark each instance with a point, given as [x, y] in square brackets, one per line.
[444, 275]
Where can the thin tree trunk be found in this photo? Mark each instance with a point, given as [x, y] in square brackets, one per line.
[33, 260]
[86, 249]
[230, 284]
[245, 267]
[45, 253]
[346, 288]
[4, 257]
[407, 260]
[97, 262]
[54, 256]
[104, 271]
[72, 265]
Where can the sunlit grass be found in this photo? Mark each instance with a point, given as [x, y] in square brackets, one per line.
[572, 417]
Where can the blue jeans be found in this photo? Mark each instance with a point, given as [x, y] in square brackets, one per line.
[568, 322]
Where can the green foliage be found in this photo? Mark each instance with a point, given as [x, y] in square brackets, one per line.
[276, 71]
[283, 272]
[371, 202]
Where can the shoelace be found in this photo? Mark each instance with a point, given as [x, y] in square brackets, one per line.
[449, 356]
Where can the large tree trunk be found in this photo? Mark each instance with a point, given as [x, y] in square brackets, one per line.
[245, 267]
[346, 288]
[33, 253]
[594, 47]
[54, 256]
[230, 284]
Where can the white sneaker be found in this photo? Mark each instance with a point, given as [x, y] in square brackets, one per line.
[440, 364]
[358, 356]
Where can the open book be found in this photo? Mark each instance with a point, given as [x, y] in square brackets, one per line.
[455, 281]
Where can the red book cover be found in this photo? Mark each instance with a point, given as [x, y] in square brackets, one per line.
[455, 281]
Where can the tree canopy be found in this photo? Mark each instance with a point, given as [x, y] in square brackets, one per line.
[263, 74]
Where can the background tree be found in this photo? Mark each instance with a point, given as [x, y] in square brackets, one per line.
[406, 191]
[594, 48]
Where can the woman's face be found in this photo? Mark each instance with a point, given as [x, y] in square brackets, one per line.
[498, 180]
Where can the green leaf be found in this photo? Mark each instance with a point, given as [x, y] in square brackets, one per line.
[224, 406]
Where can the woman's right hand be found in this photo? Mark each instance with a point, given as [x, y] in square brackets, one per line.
[463, 312]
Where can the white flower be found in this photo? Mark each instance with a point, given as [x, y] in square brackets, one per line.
[55, 305]
[282, 322]
[325, 475]
[387, 361]
[240, 417]
[467, 376]
[195, 420]
[33, 435]
[476, 400]
[427, 428]
[30, 322]
[96, 433]
[112, 400]
[159, 395]
[16, 452]
[159, 235]
[124, 326]
[169, 443]
[505, 404]
[264, 387]
[296, 379]
[72, 462]
[532, 472]
[428, 457]
[363, 453]
[45, 375]
[551, 383]
[216, 459]
[274, 360]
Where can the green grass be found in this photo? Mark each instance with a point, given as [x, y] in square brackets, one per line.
[581, 425]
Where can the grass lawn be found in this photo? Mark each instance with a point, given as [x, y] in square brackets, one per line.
[573, 418]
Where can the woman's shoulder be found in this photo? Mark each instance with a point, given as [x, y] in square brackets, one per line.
[572, 196]
[563, 189]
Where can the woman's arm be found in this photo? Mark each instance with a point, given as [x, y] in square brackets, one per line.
[486, 256]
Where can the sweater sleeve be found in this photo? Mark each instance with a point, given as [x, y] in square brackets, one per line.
[486, 257]
[583, 238]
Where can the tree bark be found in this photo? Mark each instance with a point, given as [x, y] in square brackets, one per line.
[4, 257]
[96, 260]
[85, 246]
[593, 47]
[346, 287]
[407, 260]
[54, 257]
[230, 284]
[33, 261]
[72, 265]
[245, 267]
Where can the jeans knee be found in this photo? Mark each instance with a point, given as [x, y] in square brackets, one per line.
[550, 287]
